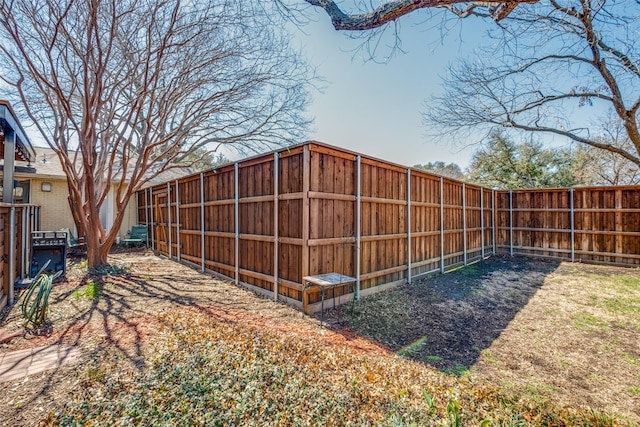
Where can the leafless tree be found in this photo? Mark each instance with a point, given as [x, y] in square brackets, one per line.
[379, 26]
[553, 69]
[118, 86]
[597, 167]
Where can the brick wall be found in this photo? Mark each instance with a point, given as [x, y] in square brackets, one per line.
[56, 213]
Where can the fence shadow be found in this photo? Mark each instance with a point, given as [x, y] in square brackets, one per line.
[446, 321]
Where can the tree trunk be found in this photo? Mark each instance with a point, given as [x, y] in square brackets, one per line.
[99, 245]
[96, 250]
[96, 254]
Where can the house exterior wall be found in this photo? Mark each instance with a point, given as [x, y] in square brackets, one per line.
[56, 213]
[130, 216]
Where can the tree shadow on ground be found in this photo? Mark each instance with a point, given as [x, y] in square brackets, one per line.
[109, 313]
[447, 320]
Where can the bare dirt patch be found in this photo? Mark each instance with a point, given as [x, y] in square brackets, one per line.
[566, 332]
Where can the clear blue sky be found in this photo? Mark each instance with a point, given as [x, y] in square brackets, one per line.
[376, 108]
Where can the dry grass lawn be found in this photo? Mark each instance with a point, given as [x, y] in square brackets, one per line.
[568, 333]
[504, 342]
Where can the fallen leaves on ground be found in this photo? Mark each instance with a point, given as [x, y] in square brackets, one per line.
[204, 371]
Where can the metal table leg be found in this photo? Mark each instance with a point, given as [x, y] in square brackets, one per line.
[322, 307]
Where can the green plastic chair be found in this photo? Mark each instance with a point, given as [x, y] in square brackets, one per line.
[137, 236]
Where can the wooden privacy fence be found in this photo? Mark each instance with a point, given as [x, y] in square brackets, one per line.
[595, 224]
[312, 209]
[16, 224]
[269, 221]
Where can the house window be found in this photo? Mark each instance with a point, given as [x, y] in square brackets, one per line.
[21, 191]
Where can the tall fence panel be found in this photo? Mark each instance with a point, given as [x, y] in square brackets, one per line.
[256, 228]
[425, 223]
[16, 224]
[291, 205]
[383, 223]
[452, 223]
[269, 221]
[332, 210]
[220, 221]
[595, 224]
[189, 219]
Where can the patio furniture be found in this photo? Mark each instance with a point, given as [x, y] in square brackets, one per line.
[75, 246]
[48, 253]
[324, 282]
[137, 236]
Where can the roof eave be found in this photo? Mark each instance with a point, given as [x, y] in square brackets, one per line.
[8, 116]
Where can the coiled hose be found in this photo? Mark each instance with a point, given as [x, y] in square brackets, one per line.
[36, 305]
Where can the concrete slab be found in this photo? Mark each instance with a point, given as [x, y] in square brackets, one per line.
[20, 363]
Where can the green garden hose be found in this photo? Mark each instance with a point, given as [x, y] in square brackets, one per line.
[36, 305]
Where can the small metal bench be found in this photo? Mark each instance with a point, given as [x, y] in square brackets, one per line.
[324, 282]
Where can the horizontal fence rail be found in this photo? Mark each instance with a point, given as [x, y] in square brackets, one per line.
[269, 221]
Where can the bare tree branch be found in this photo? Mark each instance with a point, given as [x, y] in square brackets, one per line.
[124, 90]
[547, 63]
[392, 10]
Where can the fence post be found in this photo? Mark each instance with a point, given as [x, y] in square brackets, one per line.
[464, 224]
[493, 222]
[34, 213]
[619, 225]
[153, 220]
[170, 226]
[571, 220]
[275, 224]
[441, 226]
[25, 234]
[510, 222]
[306, 185]
[146, 214]
[236, 215]
[482, 222]
[408, 225]
[26, 242]
[178, 251]
[358, 207]
[12, 253]
[202, 254]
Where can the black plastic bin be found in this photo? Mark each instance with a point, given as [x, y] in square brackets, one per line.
[45, 246]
